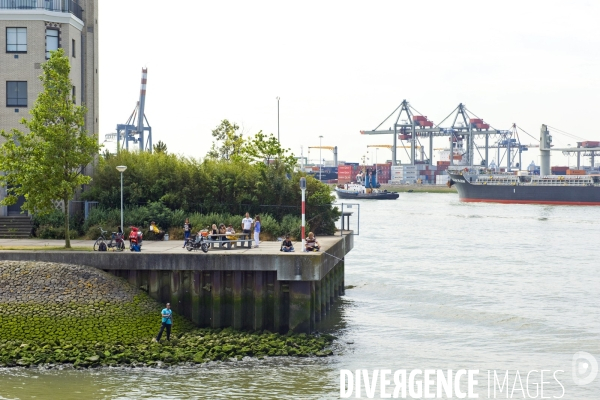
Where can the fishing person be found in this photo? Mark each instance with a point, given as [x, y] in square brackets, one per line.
[166, 322]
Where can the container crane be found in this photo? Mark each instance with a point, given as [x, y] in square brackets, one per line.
[390, 147]
[136, 127]
[332, 148]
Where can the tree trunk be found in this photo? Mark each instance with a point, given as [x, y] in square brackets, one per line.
[67, 236]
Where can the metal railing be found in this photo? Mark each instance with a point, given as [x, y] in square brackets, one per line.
[66, 6]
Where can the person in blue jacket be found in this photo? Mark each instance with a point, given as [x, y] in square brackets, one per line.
[166, 322]
[256, 230]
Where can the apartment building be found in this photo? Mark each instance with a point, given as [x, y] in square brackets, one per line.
[29, 30]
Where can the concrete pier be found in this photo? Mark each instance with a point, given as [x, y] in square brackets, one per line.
[252, 289]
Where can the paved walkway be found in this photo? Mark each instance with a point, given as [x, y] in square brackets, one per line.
[171, 246]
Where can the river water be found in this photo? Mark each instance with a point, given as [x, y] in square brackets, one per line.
[437, 284]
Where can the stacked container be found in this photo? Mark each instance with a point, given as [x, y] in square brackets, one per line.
[421, 120]
[346, 173]
[559, 170]
[477, 123]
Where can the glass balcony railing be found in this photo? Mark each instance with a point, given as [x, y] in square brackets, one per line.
[66, 6]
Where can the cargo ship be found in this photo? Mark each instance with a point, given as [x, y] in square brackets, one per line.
[525, 188]
[366, 187]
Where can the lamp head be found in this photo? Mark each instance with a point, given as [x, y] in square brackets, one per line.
[121, 168]
[302, 183]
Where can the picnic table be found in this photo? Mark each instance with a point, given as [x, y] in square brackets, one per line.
[223, 241]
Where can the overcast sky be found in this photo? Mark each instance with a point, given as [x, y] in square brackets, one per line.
[342, 67]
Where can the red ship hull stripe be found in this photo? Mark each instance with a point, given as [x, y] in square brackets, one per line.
[569, 203]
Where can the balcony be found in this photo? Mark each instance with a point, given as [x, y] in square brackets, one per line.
[65, 6]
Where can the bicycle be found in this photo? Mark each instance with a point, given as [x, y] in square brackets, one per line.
[116, 241]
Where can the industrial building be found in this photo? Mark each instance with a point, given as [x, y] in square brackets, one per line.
[29, 30]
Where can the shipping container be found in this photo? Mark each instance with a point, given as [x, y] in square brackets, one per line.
[588, 144]
[575, 172]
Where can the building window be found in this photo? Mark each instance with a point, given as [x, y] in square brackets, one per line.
[16, 94]
[16, 40]
[51, 41]
[73, 48]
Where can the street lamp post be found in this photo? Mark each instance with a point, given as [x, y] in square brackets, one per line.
[277, 118]
[320, 159]
[121, 169]
[303, 188]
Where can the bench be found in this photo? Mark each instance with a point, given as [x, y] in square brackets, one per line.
[150, 235]
[242, 239]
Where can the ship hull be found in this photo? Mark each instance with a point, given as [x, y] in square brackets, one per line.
[366, 196]
[525, 194]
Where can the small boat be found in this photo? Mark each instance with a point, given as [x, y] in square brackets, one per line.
[364, 188]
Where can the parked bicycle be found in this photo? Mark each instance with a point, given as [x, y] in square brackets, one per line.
[116, 241]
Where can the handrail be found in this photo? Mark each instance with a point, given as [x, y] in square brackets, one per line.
[66, 6]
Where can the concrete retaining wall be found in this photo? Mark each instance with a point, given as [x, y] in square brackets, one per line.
[278, 292]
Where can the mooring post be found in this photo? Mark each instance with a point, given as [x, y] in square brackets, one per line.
[259, 300]
[217, 296]
[300, 295]
[318, 301]
[175, 292]
[313, 301]
[277, 305]
[237, 300]
[336, 281]
[331, 286]
[195, 297]
[154, 285]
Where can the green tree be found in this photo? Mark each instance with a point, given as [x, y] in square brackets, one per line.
[160, 147]
[46, 164]
[267, 150]
[229, 141]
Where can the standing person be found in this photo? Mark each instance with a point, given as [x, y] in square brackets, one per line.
[247, 225]
[166, 322]
[256, 230]
[187, 230]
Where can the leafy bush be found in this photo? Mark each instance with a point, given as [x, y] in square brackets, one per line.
[168, 188]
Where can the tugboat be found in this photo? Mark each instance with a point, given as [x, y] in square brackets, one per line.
[366, 187]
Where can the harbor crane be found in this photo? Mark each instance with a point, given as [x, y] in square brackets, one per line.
[415, 125]
[389, 146]
[331, 148]
[136, 129]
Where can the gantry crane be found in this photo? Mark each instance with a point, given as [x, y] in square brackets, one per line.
[134, 130]
[390, 147]
[332, 148]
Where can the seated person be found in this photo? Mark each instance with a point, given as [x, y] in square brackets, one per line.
[287, 245]
[215, 232]
[222, 231]
[230, 233]
[311, 243]
[158, 234]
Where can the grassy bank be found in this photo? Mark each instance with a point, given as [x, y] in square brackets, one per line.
[195, 346]
[67, 314]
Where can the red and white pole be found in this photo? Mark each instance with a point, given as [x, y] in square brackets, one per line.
[303, 188]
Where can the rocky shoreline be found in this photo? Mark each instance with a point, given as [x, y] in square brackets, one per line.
[60, 314]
